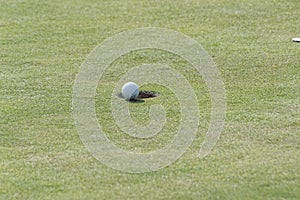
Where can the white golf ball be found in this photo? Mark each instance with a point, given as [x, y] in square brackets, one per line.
[130, 90]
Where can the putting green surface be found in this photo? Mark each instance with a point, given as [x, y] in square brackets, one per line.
[44, 43]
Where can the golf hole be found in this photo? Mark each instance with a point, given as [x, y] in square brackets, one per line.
[142, 95]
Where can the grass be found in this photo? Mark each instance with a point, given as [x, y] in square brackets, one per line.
[43, 44]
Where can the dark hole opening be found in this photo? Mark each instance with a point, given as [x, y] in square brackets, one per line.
[143, 95]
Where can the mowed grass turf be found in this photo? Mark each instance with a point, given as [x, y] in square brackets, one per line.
[42, 45]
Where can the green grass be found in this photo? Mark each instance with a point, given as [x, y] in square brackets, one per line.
[43, 44]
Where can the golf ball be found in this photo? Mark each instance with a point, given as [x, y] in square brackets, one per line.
[130, 90]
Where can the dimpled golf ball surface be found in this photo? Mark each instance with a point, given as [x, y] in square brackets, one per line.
[130, 90]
